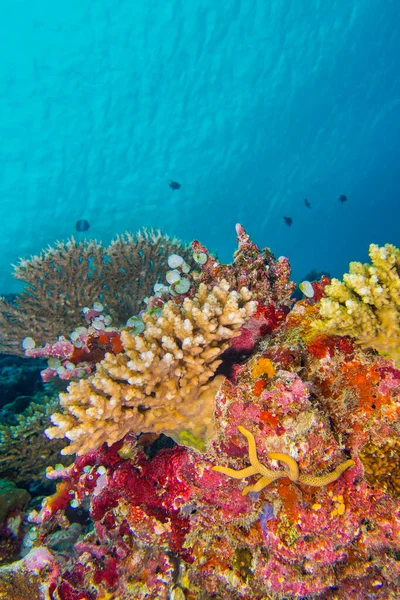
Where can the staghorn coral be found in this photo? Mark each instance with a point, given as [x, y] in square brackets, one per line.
[162, 382]
[366, 305]
[71, 275]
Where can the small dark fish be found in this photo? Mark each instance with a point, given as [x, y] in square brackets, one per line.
[82, 225]
[174, 185]
[288, 221]
[342, 198]
[306, 202]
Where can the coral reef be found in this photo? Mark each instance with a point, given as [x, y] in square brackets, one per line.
[77, 357]
[71, 275]
[171, 524]
[162, 381]
[366, 304]
[314, 413]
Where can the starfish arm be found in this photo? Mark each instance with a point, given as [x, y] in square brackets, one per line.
[289, 461]
[319, 481]
[260, 468]
[236, 474]
[263, 482]
[253, 451]
[252, 444]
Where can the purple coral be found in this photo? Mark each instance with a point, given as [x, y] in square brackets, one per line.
[266, 514]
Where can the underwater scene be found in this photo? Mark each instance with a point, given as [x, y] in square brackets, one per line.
[200, 300]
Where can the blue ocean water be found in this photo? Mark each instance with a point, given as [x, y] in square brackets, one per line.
[252, 106]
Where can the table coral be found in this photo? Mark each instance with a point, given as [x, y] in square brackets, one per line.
[63, 279]
[163, 381]
[366, 304]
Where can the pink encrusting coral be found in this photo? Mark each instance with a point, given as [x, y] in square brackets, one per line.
[296, 495]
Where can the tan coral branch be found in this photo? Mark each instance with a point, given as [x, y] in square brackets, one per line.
[163, 381]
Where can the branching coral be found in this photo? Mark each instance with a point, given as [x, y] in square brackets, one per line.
[162, 382]
[24, 449]
[58, 286]
[71, 275]
[366, 305]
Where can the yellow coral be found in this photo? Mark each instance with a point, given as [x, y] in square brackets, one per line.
[263, 367]
[163, 380]
[366, 304]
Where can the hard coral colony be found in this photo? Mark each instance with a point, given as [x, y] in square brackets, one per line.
[223, 361]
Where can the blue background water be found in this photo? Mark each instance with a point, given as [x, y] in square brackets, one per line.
[251, 105]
